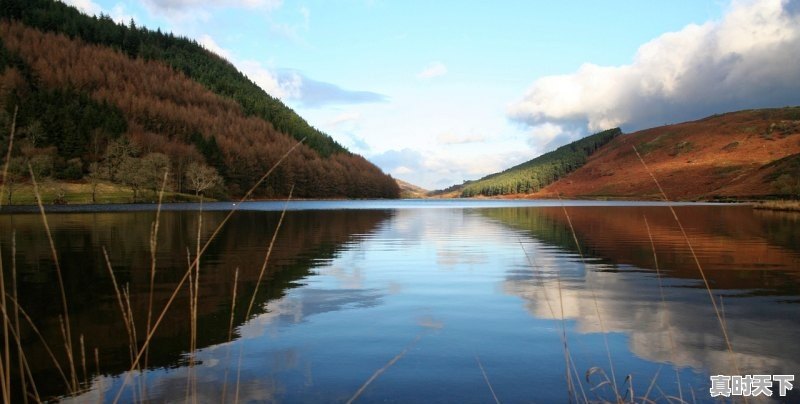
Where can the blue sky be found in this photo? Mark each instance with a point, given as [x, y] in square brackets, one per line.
[437, 92]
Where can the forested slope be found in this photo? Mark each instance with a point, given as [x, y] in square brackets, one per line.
[85, 108]
[183, 54]
[537, 173]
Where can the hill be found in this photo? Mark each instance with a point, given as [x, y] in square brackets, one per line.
[745, 154]
[411, 191]
[532, 175]
[98, 99]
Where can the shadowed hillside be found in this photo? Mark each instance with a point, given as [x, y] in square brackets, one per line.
[99, 100]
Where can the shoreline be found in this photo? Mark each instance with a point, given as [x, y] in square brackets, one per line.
[341, 204]
[113, 197]
[779, 205]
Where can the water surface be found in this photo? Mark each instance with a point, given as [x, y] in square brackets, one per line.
[435, 301]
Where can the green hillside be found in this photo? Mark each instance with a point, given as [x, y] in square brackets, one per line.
[541, 171]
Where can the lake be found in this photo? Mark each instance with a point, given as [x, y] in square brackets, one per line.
[404, 301]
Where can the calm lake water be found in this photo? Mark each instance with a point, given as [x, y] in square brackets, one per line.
[413, 301]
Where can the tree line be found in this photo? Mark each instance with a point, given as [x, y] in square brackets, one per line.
[535, 174]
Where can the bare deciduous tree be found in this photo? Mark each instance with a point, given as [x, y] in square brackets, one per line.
[153, 167]
[16, 173]
[129, 172]
[202, 177]
[94, 176]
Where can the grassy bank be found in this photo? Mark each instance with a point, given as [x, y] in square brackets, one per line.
[54, 192]
[783, 205]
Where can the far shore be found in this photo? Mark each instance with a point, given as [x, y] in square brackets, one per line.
[57, 194]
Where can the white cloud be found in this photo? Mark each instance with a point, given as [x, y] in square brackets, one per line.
[402, 170]
[86, 6]
[311, 93]
[344, 117]
[450, 138]
[288, 86]
[472, 168]
[434, 69]
[209, 43]
[546, 131]
[438, 169]
[120, 14]
[749, 59]
[279, 86]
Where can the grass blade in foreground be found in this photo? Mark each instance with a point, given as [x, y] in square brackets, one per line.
[196, 261]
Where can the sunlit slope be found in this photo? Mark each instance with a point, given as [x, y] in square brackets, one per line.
[754, 153]
[531, 176]
[411, 191]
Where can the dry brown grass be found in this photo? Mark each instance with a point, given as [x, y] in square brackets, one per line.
[702, 173]
[782, 205]
[80, 193]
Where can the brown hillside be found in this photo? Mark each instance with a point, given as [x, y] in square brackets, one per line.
[410, 191]
[164, 108]
[739, 154]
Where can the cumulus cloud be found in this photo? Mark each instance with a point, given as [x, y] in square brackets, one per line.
[434, 69]
[749, 59]
[437, 170]
[405, 160]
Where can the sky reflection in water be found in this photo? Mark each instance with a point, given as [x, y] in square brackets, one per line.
[447, 289]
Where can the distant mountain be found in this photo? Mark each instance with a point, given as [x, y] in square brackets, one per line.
[87, 88]
[539, 172]
[745, 154]
[411, 191]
